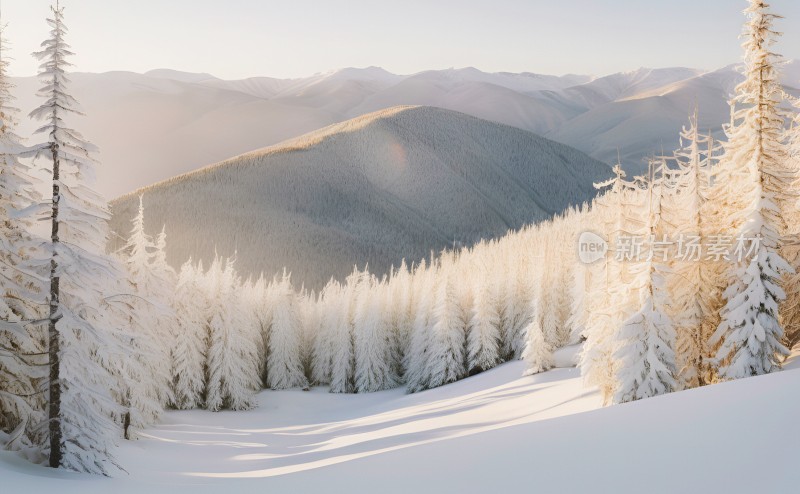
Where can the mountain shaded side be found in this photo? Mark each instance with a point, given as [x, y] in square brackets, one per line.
[373, 190]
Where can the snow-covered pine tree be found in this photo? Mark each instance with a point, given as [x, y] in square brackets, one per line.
[645, 353]
[343, 364]
[551, 303]
[609, 298]
[149, 328]
[516, 300]
[790, 309]
[483, 332]
[232, 356]
[188, 355]
[80, 434]
[284, 360]
[22, 364]
[446, 359]
[579, 278]
[418, 350]
[750, 335]
[330, 305]
[310, 324]
[400, 302]
[538, 354]
[685, 193]
[373, 338]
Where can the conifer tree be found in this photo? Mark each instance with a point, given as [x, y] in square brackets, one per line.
[150, 326]
[646, 339]
[483, 333]
[284, 359]
[330, 304]
[538, 353]
[373, 338]
[419, 345]
[80, 433]
[22, 367]
[232, 357]
[188, 354]
[399, 299]
[684, 201]
[343, 358]
[755, 180]
[446, 359]
[609, 297]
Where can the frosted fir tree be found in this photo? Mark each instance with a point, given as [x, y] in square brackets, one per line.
[538, 353]
[693, 304]
[446, 359]
[373, 339]
[400, 303]
[483, 332]
[749, 334]
[790, 250]
[150, 326]
[609, 297]
[22, 365]
[515, 310]
[310, 324]
[645, 354]
[563, 289]
[80, 433]
[188, 353]
[163, 287]
[330, 305]
[255, 298]
[232, 357]
[579, 280]
[284, 359]
[553, 302]
[418, 349]
[343, 357]
[133, 386]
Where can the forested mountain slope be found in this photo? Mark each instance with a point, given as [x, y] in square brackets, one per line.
[386, 186]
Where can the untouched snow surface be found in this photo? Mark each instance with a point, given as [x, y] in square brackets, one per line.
[495, 432]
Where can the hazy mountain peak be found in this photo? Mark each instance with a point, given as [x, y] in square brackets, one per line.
[177, 75]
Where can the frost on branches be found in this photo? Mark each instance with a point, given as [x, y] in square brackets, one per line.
[80, 432]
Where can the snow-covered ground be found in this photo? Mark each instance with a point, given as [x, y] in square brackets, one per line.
[493, 432]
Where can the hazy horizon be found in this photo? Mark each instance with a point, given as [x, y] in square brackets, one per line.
[247, 39]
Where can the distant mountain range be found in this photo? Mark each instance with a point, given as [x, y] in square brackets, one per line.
[385, 186]
[153, 126]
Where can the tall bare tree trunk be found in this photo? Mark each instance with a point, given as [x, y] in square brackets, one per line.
[56, 433]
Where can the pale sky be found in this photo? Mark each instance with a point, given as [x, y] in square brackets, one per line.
[294, 38]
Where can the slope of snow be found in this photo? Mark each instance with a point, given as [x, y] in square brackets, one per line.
[373, 190]
[495, 432]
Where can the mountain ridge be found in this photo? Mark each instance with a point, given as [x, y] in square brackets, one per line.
[374, 190]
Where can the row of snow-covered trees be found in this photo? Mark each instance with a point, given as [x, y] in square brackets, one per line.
[94, 346]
